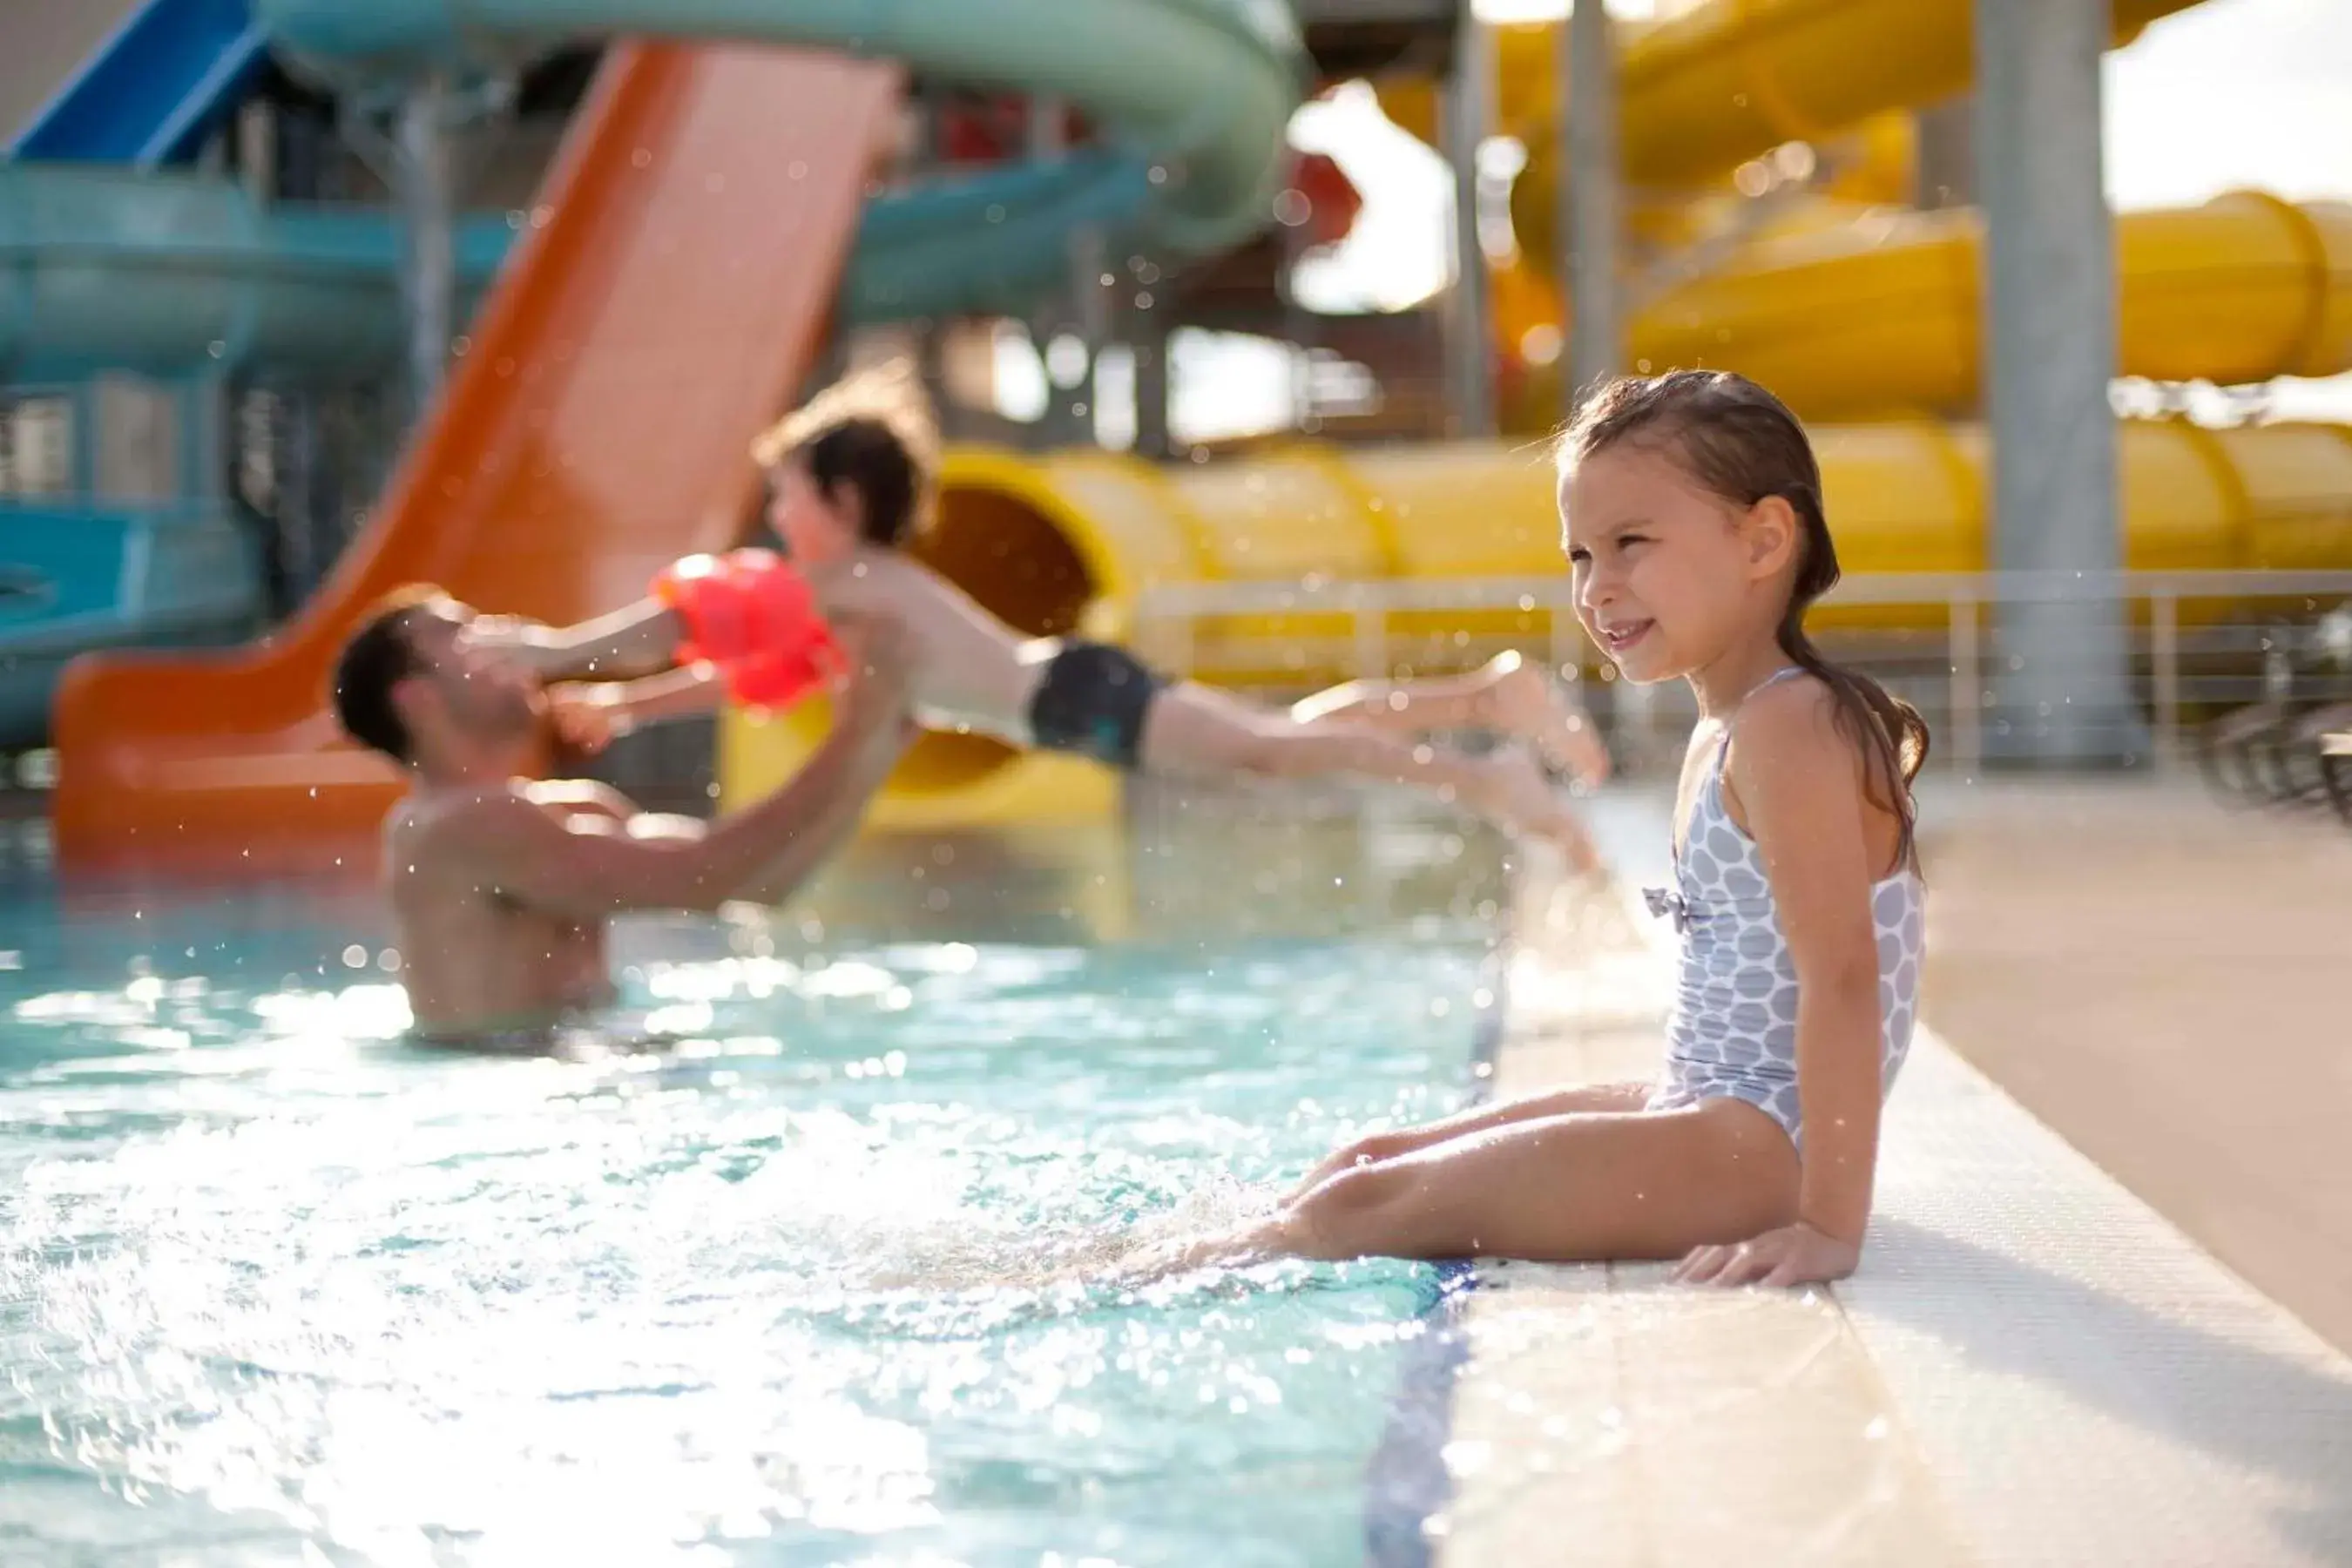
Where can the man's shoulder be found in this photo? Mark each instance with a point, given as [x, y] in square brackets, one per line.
[430, 821]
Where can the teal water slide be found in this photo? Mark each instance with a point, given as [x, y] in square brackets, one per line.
[113, 261]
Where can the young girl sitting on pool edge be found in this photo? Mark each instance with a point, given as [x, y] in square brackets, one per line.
[1691, 515]
[851, 477]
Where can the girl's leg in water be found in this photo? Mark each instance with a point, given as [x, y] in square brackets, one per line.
[1507, 695]
[1565, 1189]
[1194, 729]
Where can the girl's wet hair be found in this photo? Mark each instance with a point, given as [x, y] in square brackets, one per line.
[873, 431]
[1742, 442]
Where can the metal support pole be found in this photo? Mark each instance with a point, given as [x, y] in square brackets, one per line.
[1968, 684]
[1047, 142]
[1091, 308]
[2164, 676]
[206, 446]
[423, 187]
[1592, 196]
[1151, 338]
[1468, 116]
[2061, 683]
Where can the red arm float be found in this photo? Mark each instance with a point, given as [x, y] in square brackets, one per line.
[753, 616]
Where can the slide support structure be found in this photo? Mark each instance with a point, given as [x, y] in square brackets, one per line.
[1592, 195]
[1469, 117]
[2061, 691]
[424, 189]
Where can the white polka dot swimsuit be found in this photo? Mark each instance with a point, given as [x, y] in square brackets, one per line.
[1733, 1032]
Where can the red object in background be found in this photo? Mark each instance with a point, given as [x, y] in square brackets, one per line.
[977, 129]
[991, 129]
[1333, 203]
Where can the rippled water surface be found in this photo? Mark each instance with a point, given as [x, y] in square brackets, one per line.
[821, 1284]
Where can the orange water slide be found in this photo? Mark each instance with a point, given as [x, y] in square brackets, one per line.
[688, 244]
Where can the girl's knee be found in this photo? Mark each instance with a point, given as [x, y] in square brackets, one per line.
[1370, 1150]
[1344, 1215]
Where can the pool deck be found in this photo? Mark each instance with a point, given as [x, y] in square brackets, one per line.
[2167, 982]
[2035, 1366]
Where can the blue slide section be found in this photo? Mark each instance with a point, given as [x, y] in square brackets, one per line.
[153, 90]
[126, 576]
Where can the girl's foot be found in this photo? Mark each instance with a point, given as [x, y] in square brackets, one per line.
[1527, 703]
[1186, 1255]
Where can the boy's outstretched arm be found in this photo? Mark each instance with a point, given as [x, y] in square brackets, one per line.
[632, 640]
[590, 716]
[688, 690]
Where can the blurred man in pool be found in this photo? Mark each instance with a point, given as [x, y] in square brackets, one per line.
[501, 884]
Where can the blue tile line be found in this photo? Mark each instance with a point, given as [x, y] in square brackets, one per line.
[1408, 1483]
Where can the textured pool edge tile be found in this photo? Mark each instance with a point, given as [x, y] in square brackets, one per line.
[2087, 1384]
[2032, 1367]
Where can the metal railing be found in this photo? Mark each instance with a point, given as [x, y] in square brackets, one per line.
[2213, 627]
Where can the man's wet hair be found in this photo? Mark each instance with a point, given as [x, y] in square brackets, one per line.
[378, 657]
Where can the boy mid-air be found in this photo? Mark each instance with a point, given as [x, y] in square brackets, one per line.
[851, 477]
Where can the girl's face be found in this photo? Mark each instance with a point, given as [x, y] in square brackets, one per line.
[814, 528]
[1667, 572]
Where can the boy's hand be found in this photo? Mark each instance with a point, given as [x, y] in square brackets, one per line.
[587, 715]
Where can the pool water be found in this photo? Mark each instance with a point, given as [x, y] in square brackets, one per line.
[821, 1284]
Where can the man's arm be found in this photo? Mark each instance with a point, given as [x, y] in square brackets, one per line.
[779, 879]
[878, 653]
[594, 869]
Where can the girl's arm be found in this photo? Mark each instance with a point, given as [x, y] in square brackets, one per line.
[1798, 783]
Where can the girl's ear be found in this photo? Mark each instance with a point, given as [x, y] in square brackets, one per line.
[1771, 532]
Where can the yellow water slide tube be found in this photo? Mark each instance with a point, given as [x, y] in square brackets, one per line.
[1849, 312]
[1702, 92]
[1073, 542]
[1884, 314]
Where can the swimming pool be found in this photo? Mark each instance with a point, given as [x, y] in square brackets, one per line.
[809, 1287]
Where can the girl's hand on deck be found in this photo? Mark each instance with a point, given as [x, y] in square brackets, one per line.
[1793, 1255]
